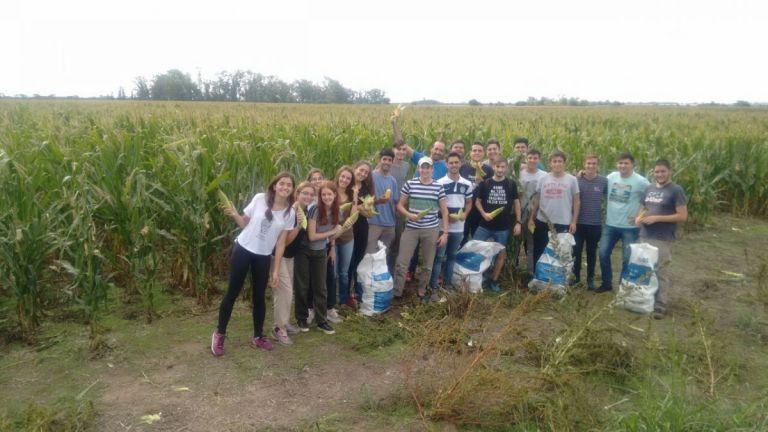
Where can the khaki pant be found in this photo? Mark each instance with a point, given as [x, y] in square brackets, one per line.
[663, 271]
[408, 241]
[376, 233]
[282, 296]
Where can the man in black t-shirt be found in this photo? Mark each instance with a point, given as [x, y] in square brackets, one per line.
[497, 192]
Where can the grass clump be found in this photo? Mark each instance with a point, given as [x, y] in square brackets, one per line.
[64, 416]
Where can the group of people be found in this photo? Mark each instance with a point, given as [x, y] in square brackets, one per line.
[306, 240]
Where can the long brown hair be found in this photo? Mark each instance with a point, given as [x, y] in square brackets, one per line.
[322, 218]
[366, 188]
[271, 195]
[348, 169]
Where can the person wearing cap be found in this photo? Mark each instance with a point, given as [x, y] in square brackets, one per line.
[423, 204]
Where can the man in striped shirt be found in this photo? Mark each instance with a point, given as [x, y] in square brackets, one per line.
[422, 203]
[592, 191]
[458, 196]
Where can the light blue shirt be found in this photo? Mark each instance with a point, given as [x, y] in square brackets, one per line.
[624, 198]
[386, 216]
[439, 168]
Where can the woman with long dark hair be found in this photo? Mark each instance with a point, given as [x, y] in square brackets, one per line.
[362, 188]
[265, 223]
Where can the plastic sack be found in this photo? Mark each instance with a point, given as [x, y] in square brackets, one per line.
[471, 261]
[555, 265]
[638, 286]
[378, 287]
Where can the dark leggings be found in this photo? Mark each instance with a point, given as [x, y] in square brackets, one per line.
[541, 238]
[240, 262]
[360, 231]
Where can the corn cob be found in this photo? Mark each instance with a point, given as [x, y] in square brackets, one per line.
[459, 215]
[496, 212]
[423, 213]
[224, 202]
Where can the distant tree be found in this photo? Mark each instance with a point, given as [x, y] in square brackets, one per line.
[142, 88]
[742, 104]
[174, 85]
[121, 93]
[336, 93]
[305, 91]
[474, 102]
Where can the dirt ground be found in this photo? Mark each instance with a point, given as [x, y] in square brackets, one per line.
[166, 369]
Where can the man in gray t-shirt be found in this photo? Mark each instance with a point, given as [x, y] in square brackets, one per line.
[664, 205]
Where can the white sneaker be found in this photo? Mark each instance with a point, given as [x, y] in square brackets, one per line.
[311, 316]
[292, 329]
[333, 316]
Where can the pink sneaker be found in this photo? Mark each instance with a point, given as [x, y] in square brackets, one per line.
[217, 343]
[262, 342]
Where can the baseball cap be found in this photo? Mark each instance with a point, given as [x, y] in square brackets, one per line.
[425, 160]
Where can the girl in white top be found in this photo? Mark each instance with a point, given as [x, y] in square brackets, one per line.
[265, 223]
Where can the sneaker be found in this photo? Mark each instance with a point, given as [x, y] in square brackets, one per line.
[326, 328]
[281, 336]
[311, 316]
[292, 329]
[603, 289]
[409, 277]
[303, 326]
[262, 342]
[494, 287]
[590, 285]
[434, 298]
[217, 343]
[333, 316]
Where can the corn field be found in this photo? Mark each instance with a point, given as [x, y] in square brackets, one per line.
[119, 198]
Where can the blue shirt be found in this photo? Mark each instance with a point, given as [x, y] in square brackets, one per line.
[386, 216]
[440, 169]
[624, 198]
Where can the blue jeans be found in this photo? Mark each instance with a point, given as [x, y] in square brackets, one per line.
[611, 236]
[343, 258]
[446, 254]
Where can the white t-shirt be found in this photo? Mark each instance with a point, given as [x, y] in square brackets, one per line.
[260, 235]
[456, 195]
[529, 185]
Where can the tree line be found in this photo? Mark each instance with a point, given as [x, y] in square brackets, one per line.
[247, 86]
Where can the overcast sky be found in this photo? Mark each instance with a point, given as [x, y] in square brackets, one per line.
[632, 51]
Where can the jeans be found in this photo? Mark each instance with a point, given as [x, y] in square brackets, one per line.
[343, 258]
[242, 261]
[611, 235]
[446, 254]
[589, 234]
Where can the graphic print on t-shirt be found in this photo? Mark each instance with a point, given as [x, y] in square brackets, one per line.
[655, 197]
[620, 193]
[264, 228]
[554, 190]
[497, 195]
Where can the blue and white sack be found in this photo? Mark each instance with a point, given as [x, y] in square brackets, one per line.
[471, 261]
[374, 276]
[638, 282]
[554, 265]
